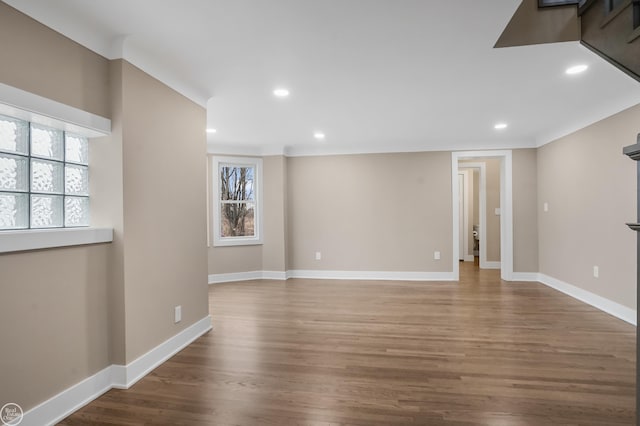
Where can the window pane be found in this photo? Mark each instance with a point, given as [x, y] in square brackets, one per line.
[76, 149]
[14, 135]
[237, 183]
[76, 211]
[76, 180]
[46, 142]
[14, 173]
[14, 211]
[46, 176]
[238, 220]
[46, 211]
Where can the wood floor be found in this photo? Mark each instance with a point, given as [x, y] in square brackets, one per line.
[306, 352]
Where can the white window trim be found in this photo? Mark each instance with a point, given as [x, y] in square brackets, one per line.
[218, 240]
[27, 106]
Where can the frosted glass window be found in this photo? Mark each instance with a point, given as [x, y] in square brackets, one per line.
[76, 211]
[46, 142]
[47, 176]
[14, 211]
[44, 177]
[76, 180]
[14, 135]
[46, 211]
[14, 173]
[76, 149]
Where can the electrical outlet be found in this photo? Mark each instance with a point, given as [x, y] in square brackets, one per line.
[596, 272]
[318, 255]
[436, 255]
[177, 313]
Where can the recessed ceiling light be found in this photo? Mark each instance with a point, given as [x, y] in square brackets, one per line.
[501, 126]
[281, 92]
[577, 69]
[319, 135]
[211, 130]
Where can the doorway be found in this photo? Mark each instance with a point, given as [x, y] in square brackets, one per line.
[505, 210]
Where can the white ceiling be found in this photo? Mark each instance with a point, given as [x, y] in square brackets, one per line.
[373, 75]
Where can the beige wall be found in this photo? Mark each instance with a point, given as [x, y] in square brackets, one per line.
[591, 191]
[70, 312]
[54, 321]
[376, 212]
[274, 249]
[271, 255]
[42, 61]
[492, 233]
[54, 307]
[165, 261]
[493, 202]
[367, 232]
[525, 213]
[469, 203]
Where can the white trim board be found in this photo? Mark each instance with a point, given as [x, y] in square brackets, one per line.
[35, 239]
[77, 396]
[371, 275]
[492, 265]
[247, 276]
[28, 106]
[331, 275]
[613, 308]
[609, 306]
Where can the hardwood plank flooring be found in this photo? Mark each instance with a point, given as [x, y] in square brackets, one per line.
[314, 352]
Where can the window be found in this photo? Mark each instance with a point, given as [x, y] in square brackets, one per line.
[44, 177]
[237, 210]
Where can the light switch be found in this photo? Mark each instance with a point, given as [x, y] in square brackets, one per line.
[497, 211]
[545, 207]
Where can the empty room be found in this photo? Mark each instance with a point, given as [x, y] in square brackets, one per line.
[319, 212]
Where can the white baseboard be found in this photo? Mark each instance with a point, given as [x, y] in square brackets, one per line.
[609, 306]
[525, 276]
[371, 275]
[331, 275]
[77, 396]
[125, 376]
[469, 258]
[246, 276]
[490, 265]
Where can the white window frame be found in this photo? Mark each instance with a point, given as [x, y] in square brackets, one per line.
[27, 106]
[256, 163]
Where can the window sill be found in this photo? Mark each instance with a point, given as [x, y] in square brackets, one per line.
[35, 239]
[237, 242]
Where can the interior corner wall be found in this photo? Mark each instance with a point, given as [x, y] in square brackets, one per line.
[590, 188]
[274, 220]
[165, 260]
[54, 311]
[107, 189]
[525, 213]
[271, 255]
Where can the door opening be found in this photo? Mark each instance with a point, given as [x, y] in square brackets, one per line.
[502, 214]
